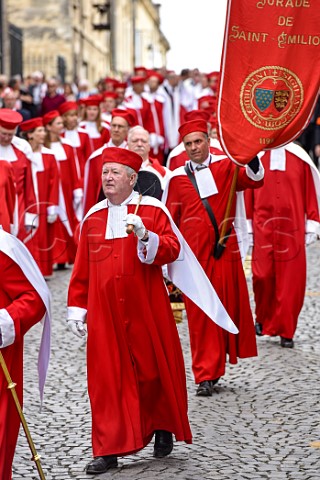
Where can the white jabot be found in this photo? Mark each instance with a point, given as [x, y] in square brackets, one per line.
[204, 178]
[116, 215]
[278, 159]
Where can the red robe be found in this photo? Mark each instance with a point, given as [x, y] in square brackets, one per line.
[7, 195]
[26, 308]
[82, 147]
[46, 186]
[26, 207]
[279, 211]
[142, 109]
[64, 245]
[156, 107]
[210, 343]
[133, 350]
[98, 138]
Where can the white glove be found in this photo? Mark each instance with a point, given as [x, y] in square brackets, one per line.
[310, 238]
[77, 328]
[138, 227]
[52, 218]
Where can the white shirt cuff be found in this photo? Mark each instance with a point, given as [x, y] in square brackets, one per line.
[53, 210]
[31, 219]
[76, 313]
[256, 177]
[8, 332]
[312, 226]
[147, 251]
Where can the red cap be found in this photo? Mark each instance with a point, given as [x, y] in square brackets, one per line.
[121, 85]
[67, 107]
[128, 116]
[140, 69]
[92, 100]
[110, 95]
[31, 124]
[10, 119]
[123, 156]
[193, 126]
[197, 115]
[50, 116]
[111, 80]
[158, 75]
[213, 75]
[213, 121]
[207, 102]
[137, 79]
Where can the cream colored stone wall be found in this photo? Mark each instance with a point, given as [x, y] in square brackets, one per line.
[148, 47]
[151, 45]
[53, 28]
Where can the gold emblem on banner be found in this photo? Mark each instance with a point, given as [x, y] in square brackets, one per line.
[271, 96]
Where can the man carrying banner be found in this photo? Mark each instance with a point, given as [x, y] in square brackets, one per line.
[284, 214]
[196, 196]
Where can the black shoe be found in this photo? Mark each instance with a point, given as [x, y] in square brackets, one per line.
[286, 342]
[214, 381]
[101, 464]
[258, 328]
[205, 389]
[61, 266]
[163, 444]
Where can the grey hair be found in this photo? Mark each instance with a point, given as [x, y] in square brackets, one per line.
[130, 172]
[137, 128]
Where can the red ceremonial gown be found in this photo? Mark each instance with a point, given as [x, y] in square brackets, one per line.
[25, 208]
[46, 182]
[82, 147]
[210, 343]
[279, 211]
[64, 248]
[7, 195]
[17, 296]
[98, 138]
[136, 378]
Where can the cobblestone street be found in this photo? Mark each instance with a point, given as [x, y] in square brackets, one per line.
[261, 423]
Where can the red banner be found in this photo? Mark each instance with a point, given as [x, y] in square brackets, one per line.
[270, 74]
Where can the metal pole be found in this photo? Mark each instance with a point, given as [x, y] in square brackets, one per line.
[11, 387]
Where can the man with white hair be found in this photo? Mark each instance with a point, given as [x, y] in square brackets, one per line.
[139, 142]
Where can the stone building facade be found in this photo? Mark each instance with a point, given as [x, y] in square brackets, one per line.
[90, 39]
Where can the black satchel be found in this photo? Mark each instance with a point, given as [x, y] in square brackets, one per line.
[218, 248]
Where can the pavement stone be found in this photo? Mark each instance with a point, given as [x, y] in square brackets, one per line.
[259, 424]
